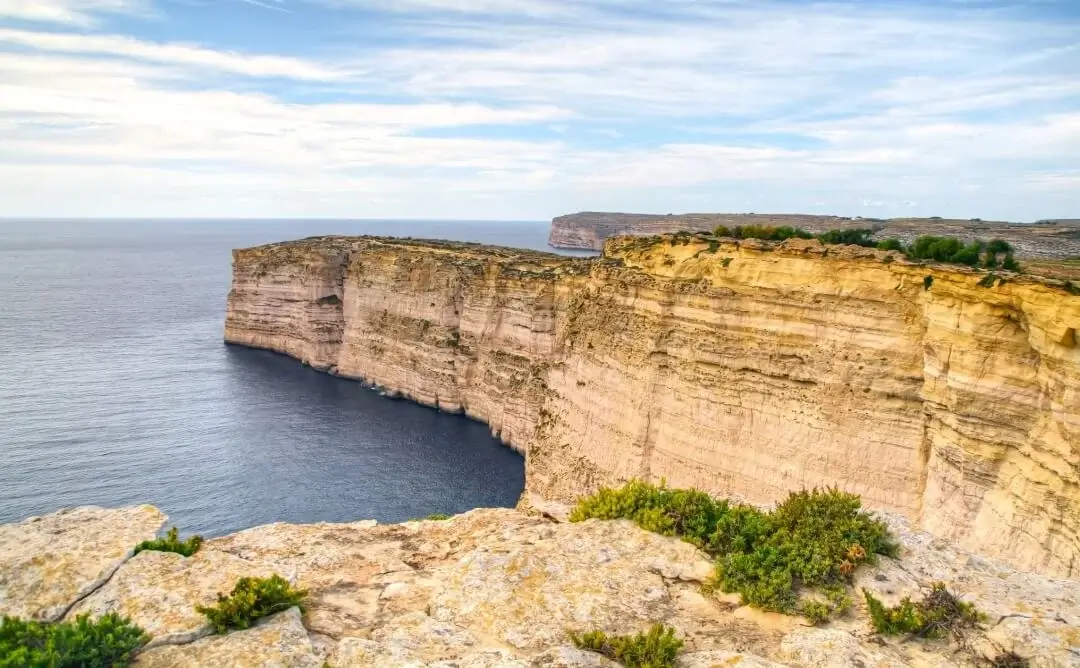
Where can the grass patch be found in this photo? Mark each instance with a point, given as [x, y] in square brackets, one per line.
[107, 642]
[434, 517]
[938, 615]
[813, 539]
[172, 543]
[656, 648]
[252, 599]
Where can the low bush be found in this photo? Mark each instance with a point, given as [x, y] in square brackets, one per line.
[764, 232]
[939, 614]
[107, 642]
[656, 648]
[252, 599]
[852, 237]
[813, 539]
[172, 543]
[437, 517]
[891, 244]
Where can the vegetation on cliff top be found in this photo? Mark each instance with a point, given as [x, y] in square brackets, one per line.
[172, 543]
[106, 642]
[987, 254]
[656, 648]
[252, 599]
[814, 539]
[938, 614]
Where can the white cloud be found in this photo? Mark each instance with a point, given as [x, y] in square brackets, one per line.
[702, 105]
[79, 12]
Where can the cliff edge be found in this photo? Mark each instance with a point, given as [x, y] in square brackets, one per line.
[494, 589]
[746, 369]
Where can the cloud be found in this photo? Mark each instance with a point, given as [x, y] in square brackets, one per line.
[78, 12]
[531, 108]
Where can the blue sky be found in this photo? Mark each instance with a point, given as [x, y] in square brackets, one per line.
[527, 109]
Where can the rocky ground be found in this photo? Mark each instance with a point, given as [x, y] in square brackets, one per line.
[494, 588]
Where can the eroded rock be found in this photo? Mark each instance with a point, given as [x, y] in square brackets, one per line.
[48, 563]
[279, 641]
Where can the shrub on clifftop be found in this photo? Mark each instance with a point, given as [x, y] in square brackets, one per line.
[172, 543]
[252, 599]
[657, 648]
[813, 539]
[107, 642]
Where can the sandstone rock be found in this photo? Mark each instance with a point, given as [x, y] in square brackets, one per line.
[722, 659]
[48, 563]
[276, 642]
[587, 576]
[746, 369]
[159, 591]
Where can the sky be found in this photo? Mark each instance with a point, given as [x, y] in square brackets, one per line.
[528, 109]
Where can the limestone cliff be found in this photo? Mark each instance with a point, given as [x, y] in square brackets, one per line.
[743, 368]
[494, 589]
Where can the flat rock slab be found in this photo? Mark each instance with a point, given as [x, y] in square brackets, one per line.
[159, 592]
[48, 563]
[276, 642]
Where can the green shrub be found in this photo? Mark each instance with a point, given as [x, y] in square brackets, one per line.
[172, 543]
[939, 614]
[1010, 263]
[437, 517]
[814, 538]
[891, 244]
[686, 513]
[816, 612]
[855, 237]
[250, 600]
[765, 232]
[988, 281]
[656, 648]
[107, 642]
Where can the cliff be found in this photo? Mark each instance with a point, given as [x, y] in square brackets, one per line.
[493, 589]
[747, 369]
[1046, 239]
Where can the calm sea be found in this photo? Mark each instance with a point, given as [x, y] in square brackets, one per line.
[116, 388]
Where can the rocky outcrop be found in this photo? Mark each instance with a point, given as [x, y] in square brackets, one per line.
[589, 230]
[501, 588]
[747, 369]
[50, 563]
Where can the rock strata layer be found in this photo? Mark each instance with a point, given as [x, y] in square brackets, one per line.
[746, 369]
[502, 588]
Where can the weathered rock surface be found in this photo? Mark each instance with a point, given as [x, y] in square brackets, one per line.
[279, 641]
[500, 588]
[747, 369]
[48, 563]
[1047, 239]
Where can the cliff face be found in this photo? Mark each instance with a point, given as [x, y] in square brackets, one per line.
[1048, 239]
[745, 369]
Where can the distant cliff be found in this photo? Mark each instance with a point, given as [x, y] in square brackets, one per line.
[745, 369]
[1044, 239]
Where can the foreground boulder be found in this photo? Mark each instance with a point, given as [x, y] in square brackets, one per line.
[494, 588]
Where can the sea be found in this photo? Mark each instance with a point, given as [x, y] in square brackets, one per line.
[116, 388]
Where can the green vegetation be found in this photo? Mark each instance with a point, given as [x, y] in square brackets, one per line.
[172, 543]
[939, 614]
[437, 517]
[927, 282]
[856, 237]
[656, 648]
[108, 642]
[891, 244]
[813, 539]
[250, 600]
[990, 255]
[766, 232]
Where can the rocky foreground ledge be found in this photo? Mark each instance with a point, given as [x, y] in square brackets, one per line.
[494, 588]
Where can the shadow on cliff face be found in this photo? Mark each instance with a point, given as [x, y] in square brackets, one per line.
[303, 446]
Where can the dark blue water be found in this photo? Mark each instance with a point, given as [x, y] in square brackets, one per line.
[116, 388]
